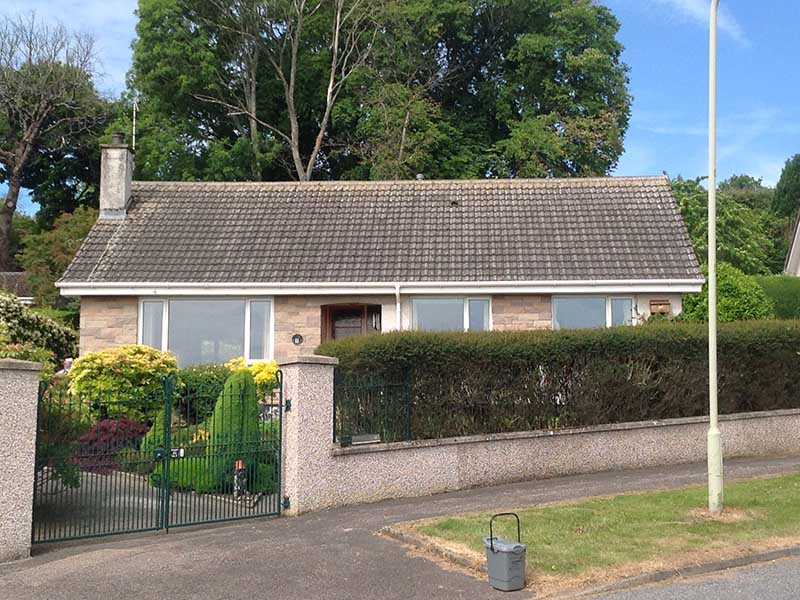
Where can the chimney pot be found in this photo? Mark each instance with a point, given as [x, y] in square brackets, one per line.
[420, 177]
[118, 138]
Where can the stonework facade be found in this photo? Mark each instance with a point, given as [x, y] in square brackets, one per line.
[108, 321]
[111, 321]
[512, 312]
[303, 315]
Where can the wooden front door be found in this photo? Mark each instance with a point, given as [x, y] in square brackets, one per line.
[344, 320]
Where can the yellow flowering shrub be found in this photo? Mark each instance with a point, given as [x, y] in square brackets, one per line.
[264, 371]
[126, 378]
[201, 435]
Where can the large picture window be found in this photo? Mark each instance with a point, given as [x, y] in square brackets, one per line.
[584, 312]
[450, 314]
[209, 330]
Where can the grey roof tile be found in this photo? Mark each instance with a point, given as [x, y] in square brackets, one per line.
[473, 230]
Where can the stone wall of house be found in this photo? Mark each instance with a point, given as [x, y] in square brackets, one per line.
[517, 311]
[303, 315]
[107, 322]
[111, 321]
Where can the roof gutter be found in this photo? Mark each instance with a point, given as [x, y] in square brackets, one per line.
[69, 288]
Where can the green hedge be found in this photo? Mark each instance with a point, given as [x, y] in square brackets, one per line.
[739, 298]
[469, 383]
[197, 390]
[784, 290]
[28, 327]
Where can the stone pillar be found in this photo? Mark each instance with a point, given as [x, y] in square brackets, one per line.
[19, 392]
[307, 431]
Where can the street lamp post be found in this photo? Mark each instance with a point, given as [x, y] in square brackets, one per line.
[714, 436]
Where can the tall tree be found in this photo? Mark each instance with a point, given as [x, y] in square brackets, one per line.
[46, 97]
[745, 236]
[388, 124]
[541, 83]
[449, 88]
[279, 32]
[787, 192]
[66, 176]
[45, 255]
[749, 191]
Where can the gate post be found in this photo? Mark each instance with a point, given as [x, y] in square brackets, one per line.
[19, 395]
[307, 430]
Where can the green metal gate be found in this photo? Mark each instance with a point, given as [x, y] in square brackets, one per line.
[148, 460]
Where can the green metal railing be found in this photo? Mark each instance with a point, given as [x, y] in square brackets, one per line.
[155, 459]
[371, 409]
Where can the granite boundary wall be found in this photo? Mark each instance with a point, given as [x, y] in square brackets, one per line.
[19, 392]
[318, 474]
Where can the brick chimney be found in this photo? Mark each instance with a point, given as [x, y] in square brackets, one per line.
[116, 174]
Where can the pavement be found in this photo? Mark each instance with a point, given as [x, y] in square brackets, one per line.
[333, 554]
[776, 580]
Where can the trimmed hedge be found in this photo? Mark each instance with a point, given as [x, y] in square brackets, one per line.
[739, 298]
[784, 291]
[470, 383]
[28, 327]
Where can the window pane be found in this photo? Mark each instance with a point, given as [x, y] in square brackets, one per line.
[259, 329]
[579, 312]
[206, 331]
[438, 314]
[621, 311]
[152, 315]
[478, 315]
[374, 318]
[346, 322]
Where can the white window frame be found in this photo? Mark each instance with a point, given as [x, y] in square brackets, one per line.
[464, 299]
[165, 321]
[608, 299]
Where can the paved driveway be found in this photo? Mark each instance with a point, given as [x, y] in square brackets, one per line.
[120, 501]
[331, 554]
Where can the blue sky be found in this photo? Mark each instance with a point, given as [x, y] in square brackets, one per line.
[666, 45]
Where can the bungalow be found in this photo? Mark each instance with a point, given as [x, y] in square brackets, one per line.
[213, 271]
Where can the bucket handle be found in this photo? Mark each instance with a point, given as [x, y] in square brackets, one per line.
[505, 514]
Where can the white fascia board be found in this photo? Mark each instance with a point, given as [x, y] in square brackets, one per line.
[660, 286]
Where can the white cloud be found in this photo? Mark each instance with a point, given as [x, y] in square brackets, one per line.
[698, 11]
[111, 22]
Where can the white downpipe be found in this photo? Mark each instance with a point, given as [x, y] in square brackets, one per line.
[715, 482]
[397, 308]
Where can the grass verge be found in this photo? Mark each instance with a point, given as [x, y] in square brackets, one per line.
[602, 539]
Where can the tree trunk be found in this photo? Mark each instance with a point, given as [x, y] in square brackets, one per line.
[6, 215]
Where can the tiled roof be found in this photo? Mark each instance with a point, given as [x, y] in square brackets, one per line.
[400, 231]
